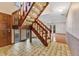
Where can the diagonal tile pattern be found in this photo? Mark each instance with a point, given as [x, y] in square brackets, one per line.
[35, 49]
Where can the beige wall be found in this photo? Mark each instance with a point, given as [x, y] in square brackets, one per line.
[7, 7]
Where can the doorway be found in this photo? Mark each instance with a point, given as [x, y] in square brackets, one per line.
[58, 34]
[20, 35]
[16, 35]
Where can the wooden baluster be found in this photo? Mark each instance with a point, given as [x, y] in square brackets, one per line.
[18, 17]
[29, 3]
[37, 28]
[26, 7]
[19, 14]
[46, 35]
[23, 10]
[41, 32]
[34, 25]
[30, 35]
[50, 31]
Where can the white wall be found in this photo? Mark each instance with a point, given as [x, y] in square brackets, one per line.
[61, 27]
[73, 20]
[23, 34]
[73, 29]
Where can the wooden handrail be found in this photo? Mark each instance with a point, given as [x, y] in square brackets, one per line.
[43, 25]
[43, 34]
[26, 14]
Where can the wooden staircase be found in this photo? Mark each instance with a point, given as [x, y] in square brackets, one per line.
[42, 32]
[30, 18]
[35, 12]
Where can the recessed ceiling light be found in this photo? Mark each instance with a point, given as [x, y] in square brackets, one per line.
[60, 10]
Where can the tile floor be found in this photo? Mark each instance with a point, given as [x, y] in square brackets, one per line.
[35, 49]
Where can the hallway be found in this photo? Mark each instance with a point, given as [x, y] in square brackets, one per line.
[35, 49]
[31, 15]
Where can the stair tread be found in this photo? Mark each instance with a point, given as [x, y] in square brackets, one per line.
[33, 14]
[30, 17]
[27, 23]
[31, 20]
[40, 3]
[38, 7]
[35, 11]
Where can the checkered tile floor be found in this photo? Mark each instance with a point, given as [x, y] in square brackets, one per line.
[35, 49]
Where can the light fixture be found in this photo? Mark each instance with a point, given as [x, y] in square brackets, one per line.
[60, 10]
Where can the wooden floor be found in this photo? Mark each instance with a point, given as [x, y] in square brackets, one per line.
[36, 48]
[61, 38]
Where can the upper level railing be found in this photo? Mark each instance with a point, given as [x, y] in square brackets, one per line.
[45, 27]
[20, 15]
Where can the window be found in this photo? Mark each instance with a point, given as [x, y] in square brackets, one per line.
[18, 4]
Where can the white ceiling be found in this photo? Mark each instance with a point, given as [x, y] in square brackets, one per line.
[8, 7]
[55, 8]
[55, 12]
[60, 7]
